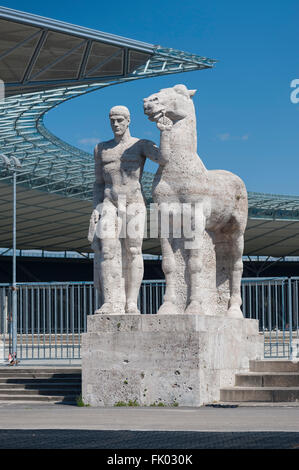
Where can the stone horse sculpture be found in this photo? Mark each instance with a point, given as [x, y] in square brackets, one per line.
[217, 200]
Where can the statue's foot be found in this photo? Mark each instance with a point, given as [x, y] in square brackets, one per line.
[110, 308]
[132, 309]
[168, 308]
[194, 308]
[105, 309]
[235, 312]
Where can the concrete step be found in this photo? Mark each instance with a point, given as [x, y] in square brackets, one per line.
[39, 370]
[273, 366]
[47, 391]
[259, 394]
[40, 386]
[267, 379]
[47, 379]
[41, 377]
[50, 384]
[254, 404]
[39, 398]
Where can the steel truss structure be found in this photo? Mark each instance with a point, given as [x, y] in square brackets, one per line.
[58, 62]
[48, 163]
[44, 63]
[273, 206]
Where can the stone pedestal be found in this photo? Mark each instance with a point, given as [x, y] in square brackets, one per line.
[168, 359]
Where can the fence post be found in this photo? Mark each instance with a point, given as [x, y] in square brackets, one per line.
[290, 313]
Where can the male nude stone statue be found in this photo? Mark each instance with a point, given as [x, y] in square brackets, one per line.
[118, 219]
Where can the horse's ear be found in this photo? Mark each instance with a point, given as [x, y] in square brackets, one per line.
[183, 90]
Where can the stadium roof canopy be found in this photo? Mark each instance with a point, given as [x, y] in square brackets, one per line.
[44, 63]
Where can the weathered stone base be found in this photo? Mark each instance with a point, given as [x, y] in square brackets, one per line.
[168, 359]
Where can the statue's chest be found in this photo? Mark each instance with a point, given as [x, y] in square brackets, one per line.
[110, 158]
[120, 158]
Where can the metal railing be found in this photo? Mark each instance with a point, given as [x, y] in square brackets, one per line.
[52, 316]
[274, 303]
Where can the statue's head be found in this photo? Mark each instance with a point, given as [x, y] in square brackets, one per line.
[119, 119]
[175, 103]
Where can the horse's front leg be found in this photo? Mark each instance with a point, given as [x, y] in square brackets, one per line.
[235, 302]
[168, 266]
[195, 259]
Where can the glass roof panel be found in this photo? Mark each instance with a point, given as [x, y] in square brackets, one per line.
[136, 59]
[16, 49]
[13, 66]
[104, 60]
[111, 68]
[61, 50]
[12, 33]
[66, 68]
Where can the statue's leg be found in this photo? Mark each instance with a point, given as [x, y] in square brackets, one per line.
[168, 266]
[237, 246]
[194, 266]
[134, 273]
[195, 259]
[110, 272]
[133, 255]
[96, 276]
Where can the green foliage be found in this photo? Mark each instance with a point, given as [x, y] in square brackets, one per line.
[161, 404]
[133, 403]
[80, 401]
[130, 403]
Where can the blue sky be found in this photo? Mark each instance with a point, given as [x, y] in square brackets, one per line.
[246, 121]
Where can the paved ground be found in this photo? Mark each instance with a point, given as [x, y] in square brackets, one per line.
[188, 440]
[61, 426]
[46, 426]
[205, 419]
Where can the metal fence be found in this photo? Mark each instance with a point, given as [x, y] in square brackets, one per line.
[52, 316]
[274, 303]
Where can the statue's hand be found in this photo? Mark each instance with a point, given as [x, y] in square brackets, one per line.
[164, 124]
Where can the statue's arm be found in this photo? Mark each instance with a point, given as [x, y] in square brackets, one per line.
[98, 196]
[99, 184]
[153, 152]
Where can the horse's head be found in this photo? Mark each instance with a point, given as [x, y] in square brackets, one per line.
[175, 103]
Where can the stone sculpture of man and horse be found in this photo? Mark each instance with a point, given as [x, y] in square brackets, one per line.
[217, 200]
